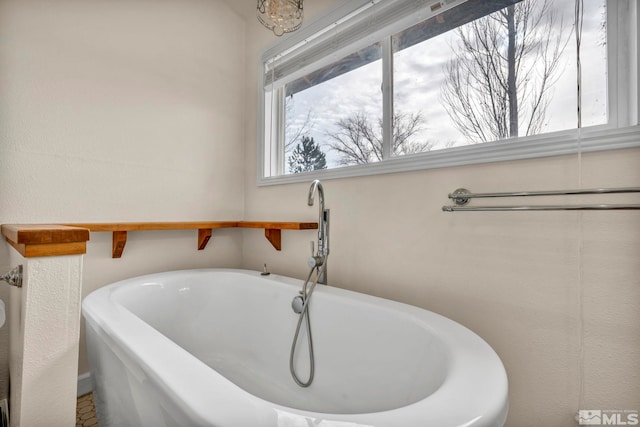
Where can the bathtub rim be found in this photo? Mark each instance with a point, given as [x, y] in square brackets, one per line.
[179, 385]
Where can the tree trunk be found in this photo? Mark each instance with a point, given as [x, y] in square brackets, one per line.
[511, 78]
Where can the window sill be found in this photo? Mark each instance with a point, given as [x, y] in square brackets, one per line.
[597, 138]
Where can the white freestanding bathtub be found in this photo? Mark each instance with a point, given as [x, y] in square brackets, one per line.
[211, 348]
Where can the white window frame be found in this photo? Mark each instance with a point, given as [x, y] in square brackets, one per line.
[621, 132]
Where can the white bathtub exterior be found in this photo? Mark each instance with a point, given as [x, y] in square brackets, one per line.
[211, 348]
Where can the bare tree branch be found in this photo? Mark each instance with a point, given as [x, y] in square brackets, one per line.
[499, 81]
[358, 142]
[293, 133]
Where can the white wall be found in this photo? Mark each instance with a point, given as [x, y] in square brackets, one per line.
[122, 111]
[554, 293]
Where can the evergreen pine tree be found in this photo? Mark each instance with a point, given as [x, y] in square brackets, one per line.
[307, 156]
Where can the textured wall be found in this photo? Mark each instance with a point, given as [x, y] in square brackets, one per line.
[123, 111]
[554, 293]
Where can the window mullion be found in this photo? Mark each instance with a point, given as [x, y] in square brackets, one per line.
[279, 130]
[613, 62]
[622, 60]
[387, 98]
[634, 63]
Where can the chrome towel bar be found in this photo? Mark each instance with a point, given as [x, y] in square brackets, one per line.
[462, 196]
[543, 208]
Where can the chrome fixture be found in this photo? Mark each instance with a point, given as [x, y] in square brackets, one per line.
[462, 196]
[300, 305]
[265, 271]
[14, 277]
[317, 263]
[320, 258]
[280, 16]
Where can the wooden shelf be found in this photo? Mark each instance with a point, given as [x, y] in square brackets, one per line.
[272, 230]
[154, 226]
[34, 240]
[38, 240]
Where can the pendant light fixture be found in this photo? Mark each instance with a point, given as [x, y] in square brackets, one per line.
[280, 16]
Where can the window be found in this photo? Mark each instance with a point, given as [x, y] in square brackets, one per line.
[386, 86]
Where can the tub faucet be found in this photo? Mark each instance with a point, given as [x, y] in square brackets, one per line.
[319, 258]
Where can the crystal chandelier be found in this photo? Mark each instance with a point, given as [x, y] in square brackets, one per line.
[280, 16]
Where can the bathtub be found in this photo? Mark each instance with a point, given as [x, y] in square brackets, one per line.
[211, 348]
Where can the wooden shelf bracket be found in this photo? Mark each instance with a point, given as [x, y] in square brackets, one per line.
[204, 234]
[119, 239]
[274, 236]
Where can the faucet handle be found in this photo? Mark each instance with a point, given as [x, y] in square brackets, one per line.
[316, 260]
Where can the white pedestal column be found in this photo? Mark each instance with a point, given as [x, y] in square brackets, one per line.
[44, 337]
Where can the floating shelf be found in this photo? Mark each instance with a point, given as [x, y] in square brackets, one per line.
[34, 240]
[272, 230]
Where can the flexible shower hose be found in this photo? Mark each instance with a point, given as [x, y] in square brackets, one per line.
[304, 314]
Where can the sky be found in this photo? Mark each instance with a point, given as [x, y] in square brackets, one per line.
[418, 79]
